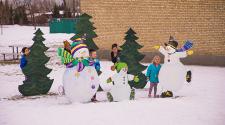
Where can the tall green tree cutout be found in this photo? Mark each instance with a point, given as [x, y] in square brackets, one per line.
[84, 27]
[37, 82]
[132, 57]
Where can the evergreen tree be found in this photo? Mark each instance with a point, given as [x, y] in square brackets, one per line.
[131, 56]
[36, 72]
[84, 27]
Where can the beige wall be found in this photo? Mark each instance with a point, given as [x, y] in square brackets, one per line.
[202, 21]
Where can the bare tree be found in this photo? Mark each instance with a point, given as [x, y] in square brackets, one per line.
[1, 23]
[1, 16]
[17, 3]
[31, 8]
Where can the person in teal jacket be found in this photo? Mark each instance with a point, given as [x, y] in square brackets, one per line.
[152, 75]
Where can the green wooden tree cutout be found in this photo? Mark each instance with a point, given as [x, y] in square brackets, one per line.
[37, 82]
[132, 57]
[84, 27]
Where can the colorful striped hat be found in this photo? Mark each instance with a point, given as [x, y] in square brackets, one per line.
[76, 46]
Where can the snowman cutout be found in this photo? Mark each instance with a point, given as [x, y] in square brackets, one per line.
[173, 74]
[80, 80]
[121, 90]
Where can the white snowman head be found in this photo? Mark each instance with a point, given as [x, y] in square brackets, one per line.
[123, 71]
[171, 46]
[79, 50]
[170, 49]
[121, 67]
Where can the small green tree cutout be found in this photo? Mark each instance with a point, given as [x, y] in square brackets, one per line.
[132, 57]
[84, 27]
[37, 82]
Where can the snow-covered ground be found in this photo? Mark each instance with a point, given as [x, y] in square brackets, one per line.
[22, 36]
[201, 102]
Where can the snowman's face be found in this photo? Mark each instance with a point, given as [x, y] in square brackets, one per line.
[170, 49]
[81, 53]
[124, 71]
[121, 66]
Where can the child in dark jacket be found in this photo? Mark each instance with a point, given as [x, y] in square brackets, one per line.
[152, 75]
[93, 57]
[115, 53]
[23, 60]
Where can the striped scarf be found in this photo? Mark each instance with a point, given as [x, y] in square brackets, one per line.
[68, 60]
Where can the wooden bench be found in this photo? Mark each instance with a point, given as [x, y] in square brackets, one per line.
[13, 55]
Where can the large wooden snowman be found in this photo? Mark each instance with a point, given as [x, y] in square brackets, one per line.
[172, 75]
[80, 79]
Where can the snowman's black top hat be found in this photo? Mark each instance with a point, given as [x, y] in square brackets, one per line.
[172, 42]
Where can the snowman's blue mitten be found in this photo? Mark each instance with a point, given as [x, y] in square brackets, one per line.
[188, 45]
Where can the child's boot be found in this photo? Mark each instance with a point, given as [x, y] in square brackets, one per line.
[109, 96]
[188, 76]
[132, 94]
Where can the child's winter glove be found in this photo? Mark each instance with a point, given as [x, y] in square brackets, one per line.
[156, 47]
[190, 52]
[109, 80]
[136, 79]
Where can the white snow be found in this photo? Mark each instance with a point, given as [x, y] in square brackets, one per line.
[23, 35]
[201, 103]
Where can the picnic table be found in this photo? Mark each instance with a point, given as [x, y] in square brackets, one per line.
[14, 55]
[16, 48]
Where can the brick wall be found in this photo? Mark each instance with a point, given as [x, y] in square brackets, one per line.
[202, 21]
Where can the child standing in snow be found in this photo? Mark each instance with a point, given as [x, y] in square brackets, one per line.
[93, 57]
[152, 75]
